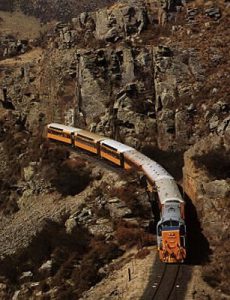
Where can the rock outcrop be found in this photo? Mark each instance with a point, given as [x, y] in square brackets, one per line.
[206, 181]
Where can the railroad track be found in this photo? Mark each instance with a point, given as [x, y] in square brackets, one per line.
[166, 282]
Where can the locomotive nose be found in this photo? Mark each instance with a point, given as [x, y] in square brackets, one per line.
[172, 251]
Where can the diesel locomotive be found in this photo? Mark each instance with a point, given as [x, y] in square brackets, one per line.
[171, 229]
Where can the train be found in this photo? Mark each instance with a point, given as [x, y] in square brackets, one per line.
[171, 228]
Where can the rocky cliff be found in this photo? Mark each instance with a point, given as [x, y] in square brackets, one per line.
[151, 74]
[206, 181]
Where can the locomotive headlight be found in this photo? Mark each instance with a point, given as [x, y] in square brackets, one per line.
[172, 234]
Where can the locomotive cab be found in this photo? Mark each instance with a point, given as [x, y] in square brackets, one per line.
[171, 234]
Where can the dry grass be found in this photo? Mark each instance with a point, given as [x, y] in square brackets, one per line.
[20, 25]
[33, 55]
[204, 3]
[116, 6]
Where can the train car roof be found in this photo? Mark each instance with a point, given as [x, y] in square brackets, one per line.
[156, 171]
[152, 169]
[166, 186]
[91, 135]
[116, 145]
[63, 127]
[168, 191]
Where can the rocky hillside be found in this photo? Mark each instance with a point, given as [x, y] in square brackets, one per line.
[53, 10]
[151, 74]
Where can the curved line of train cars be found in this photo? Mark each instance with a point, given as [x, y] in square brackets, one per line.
[171, 229]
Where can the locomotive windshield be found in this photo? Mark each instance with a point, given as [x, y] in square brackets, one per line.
[171, 225]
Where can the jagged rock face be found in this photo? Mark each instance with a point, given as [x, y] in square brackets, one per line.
[9, 47]
[132, 92]
[206, 181]
[112, 25]
[136, 93]
[115, 99]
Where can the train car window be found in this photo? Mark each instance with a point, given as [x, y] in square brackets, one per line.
[173, 201]
[59, 133]
[170, 223]
[84, 137]
[66, 135]
[56, 128]
[85, 141]
[110, 147]
[110, 152]
[51, 131]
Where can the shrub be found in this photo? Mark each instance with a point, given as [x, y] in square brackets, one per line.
[142, 253]
[100, 253]
[130, 236]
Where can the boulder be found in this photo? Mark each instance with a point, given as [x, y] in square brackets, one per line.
[120, 22]
[111, 35]
[26, 277]
[16, 295]
[45, 268]
[105, 229]
[29, 172]
[217, 188]
[118, 209]
[3, 291]
[224, 126]
[213, 122]
[70, 224]
[213, 12]
[220, 106]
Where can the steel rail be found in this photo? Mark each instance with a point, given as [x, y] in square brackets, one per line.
[165, 287]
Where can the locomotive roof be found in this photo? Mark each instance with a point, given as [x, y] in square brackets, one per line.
[171, 211]
[116, 145]
[63, 127]
[168, 191]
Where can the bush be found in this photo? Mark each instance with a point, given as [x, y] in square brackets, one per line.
[100, 253]
[141, 254]
[131, 236]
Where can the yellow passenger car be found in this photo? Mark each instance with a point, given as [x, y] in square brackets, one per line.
[61, 132]
[88, 141]
[113, 151]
